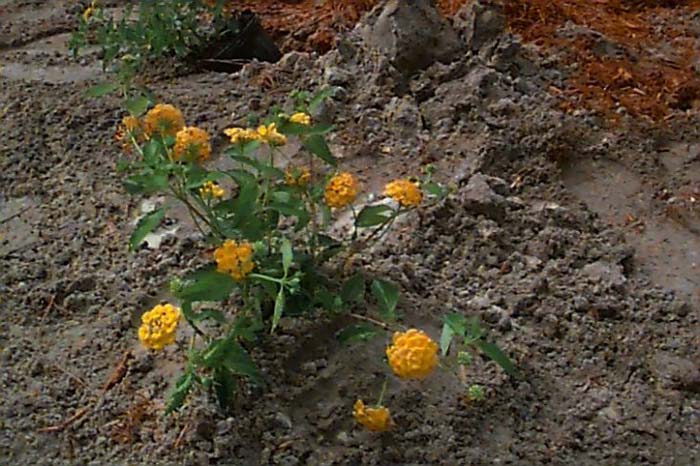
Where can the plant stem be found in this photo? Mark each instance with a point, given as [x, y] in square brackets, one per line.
[369, 319]
[266, 278]
[381, 394]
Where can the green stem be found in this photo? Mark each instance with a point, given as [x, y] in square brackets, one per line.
[267, 278]
[369, 319]
[381, 394]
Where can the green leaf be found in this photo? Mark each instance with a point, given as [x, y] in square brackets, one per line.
[206, 285]
[446, 338]
[246, 328]
[237, 360]
[279, 309]
[211, 314]
[495, 353]
[434, 189]
[244, 205]
[473, 330]
[328, 300]
[287, 255]
[224, 387]
[316, 144]
[290, 210]
[353, 289]
[387, 295]
[373, 215]
[320, 96]
[146, 183]
[136, 106]
[182, 387]
[357, 333]
[321, 128]
[457, 324]
[101, 89]
[147, 224]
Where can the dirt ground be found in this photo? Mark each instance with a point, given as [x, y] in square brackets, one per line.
[577, 241]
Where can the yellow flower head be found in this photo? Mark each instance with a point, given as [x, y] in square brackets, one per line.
[241, 135]
[191, 143]
[375, 419]
[128, 128]
[235, 259]
[405, 192]
[341, 190]
[164, 120]
[300, 118]
[211, 190]
[297, 176]
[269, 135]
[158, 326]
[412, 354]
[89, 10]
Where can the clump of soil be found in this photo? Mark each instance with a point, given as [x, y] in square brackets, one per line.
[554, 235]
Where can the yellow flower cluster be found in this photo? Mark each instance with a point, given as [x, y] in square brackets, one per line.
[412, 354]
[241, 135]
[265, 133]
[341, 190]
[211, 190]
[300, 118]
[191, 144]
[235, 259]
[405, 192]
[128, 128]
[269, 135]
[297, 176]
[158, 326]
[89, 10]
[375, 419]
[163, 120]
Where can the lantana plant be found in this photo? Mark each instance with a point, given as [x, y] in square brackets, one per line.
[275, 248]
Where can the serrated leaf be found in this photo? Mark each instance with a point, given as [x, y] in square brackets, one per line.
[224, 386]
[136, 106]
[353, 289]
[182, 387]
[316, 144]
[245, 203]
[357, 333]
[434, 189]
[320, 96]
[279, 309]
[457, 323]
[146, 225]
[209, 314]
[206, 285]
[321, 128]
[373, 215]
[101, 89]
[288, 210]
[237, 360]
[446, 339]
[496, 354]
[287, 255]
[146, 183]
[387, 295]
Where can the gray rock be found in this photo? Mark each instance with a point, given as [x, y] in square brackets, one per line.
[411, 34]
[283, 421]
[479, 22]
[479, 198]
[676, 372]
[604, 273]
[404, 116]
